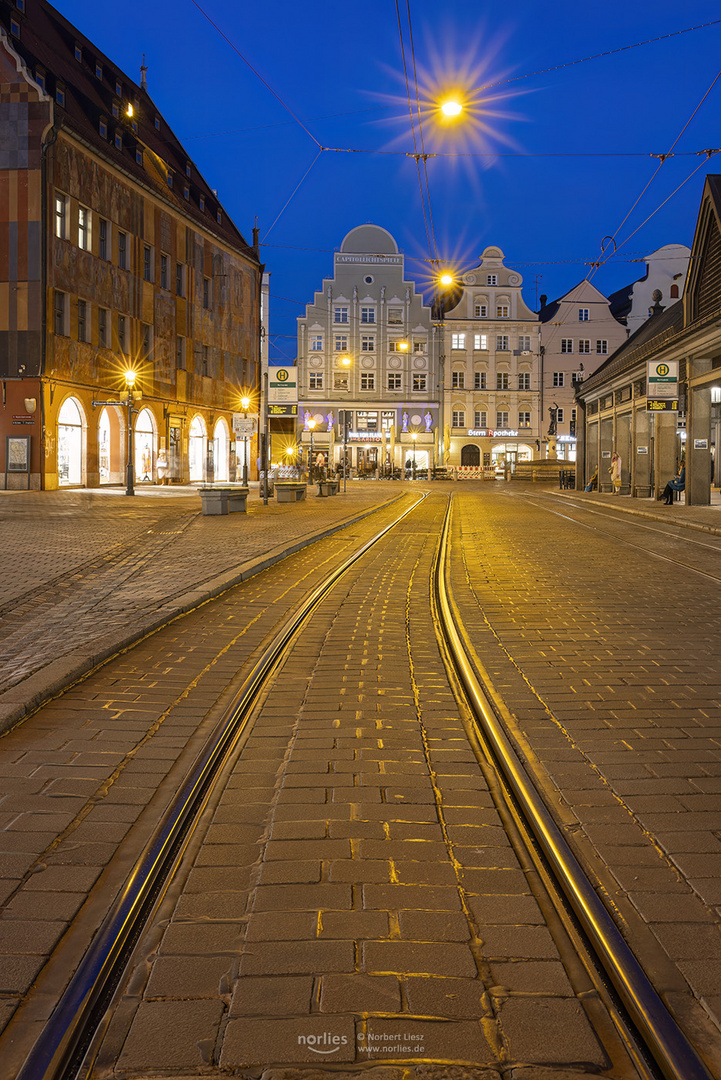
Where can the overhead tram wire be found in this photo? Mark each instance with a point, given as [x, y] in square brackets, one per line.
[662, 161]
[293, 192]
[420, 130]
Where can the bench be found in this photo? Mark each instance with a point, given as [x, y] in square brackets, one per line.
[289, 491]
[223, 499]
[327, 487]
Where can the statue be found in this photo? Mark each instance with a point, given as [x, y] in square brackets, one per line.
[429, 421]
[404, 418]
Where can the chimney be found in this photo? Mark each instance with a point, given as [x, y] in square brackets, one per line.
[143, 76]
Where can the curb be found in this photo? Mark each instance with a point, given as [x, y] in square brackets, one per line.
[54, 678]
[697, 525]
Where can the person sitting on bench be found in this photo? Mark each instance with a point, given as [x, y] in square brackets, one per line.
[677, 484]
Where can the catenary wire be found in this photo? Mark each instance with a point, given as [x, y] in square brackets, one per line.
[413, 129]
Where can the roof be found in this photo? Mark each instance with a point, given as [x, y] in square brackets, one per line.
[48, 43]
[369, 240]
[651, 335]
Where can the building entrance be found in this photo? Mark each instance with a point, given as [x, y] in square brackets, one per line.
[70, 444]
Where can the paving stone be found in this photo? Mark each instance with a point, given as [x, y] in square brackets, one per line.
[460, 999]
[296, 957]
[184, 977]
[360, 994]
[303, 1039]
[424, 897]
[531, 977]
[550, 1030]
[272, 995]
[171, 1034]
[418, 957]
[199, 939]
[452, 1041]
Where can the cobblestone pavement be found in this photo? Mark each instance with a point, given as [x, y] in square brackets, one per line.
[88, 571]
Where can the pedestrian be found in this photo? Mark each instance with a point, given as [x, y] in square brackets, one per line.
[615, 472]
[593, 482]
[677, 484]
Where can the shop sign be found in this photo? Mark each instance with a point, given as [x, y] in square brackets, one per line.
[282, 384]
[661, 404]
[662, 380]
[566, 438]
[365, 436]
[641, 449]
[700, 444]
[282, 410]
[491, 433]
[243, 426]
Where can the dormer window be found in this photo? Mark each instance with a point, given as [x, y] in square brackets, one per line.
[187, 169]
[118, 89]
[157, 123]
[60, 95]
[99, 72]
[103, 127]
[40, 79]
[186, 191]
[170, 180]
[14, 28]
[219, 217]
[202, 202]
[116, 110]
[118, 141]
[134, 126]
[492, 279]
[139, 155]
[78, 54]
[20, 5]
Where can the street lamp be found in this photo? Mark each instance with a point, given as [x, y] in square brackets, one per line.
[346, 363]
[130, 377]
[245, 405]
[311, 427]
[414, 436]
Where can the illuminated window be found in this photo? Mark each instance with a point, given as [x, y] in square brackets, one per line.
[480, 380]
[502, 311]
[61, 217]
[480, 311]
[459, 418]
[368, 380]
[315, 380]
[458, 341]
[524, 419]
[458, 380]
[394, 380]
[84, 229]
[419, 345]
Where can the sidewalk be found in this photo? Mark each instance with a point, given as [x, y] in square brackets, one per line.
[702, 518]
[88, 572]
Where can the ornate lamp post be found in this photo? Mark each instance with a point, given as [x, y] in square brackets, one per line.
[245, 405]
[311, 428]
[130, 377]
[346, 362]
[414, 436]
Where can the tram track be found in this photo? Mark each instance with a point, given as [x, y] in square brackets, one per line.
[59, 1051]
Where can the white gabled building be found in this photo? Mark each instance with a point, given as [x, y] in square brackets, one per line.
[488, 359]
[364, 354]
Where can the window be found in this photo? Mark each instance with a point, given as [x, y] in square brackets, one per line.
[99, 71]
[147, 263]
[395, 345]
[503, 380]
[602, 347]
[340, 380]
[20, 5]
[139, 155]
[368, 380]
[502, 343]
[502, 311]
[584, 345]
[673, 294]
[480, 311]
[315, 380]
[395, 316]
[341, 343]
[147, 341]
[14, 27]
[201, 202]
[524, 380]
[458, 341]
[420, 383]
[501, 419]
[186, 191]
[340, 315]
[578, 376]
[61, 217]
[60, 95]
[219, 217]
[480, 419]
[558, 378]
[458, 380]
[524, 342]
[169, 179]
[419, 345]
[367, 421]
[368, 343]
[559, 416]
[566, 345]
[394, 380]
[368, 315]
[118, 89]
[524, 419]
[480, 341]
[59, 311]
[180, 353]
[78, 54]
[164, 272]
[40, 79]
[123, 250]
[179, 279]
[479, 380]
[122, 332]
[157, 123]
[103, 327]
[583, 314]
[82, 320]
[204, 361]
[118, 141]
[316, 342]
[459, 418]
[84, 229]
[103, 127]
[492, 279]
[188, 169]
[206, 293]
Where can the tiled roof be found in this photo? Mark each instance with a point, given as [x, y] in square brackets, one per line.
[651, 335]
[48, 43]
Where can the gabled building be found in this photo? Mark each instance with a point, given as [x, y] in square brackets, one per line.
[365, 371]
[116, 255]
[621, 410]
[666, 271]
[578, 331]
[489, 355]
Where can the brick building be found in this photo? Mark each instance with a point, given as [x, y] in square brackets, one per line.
[115, 254]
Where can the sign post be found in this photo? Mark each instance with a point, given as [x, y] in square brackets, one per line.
[662, 386]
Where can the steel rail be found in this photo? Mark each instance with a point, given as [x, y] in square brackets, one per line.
[667, 1044]
[69, 1023]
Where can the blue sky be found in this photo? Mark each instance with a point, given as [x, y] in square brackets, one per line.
[569, 149]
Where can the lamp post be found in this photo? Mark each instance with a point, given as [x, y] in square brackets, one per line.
[414, 436]
[245, 405]
[130, 377]
[346, 362]
[311, 428]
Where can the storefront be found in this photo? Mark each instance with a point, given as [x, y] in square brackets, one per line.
[197, 450]
[145, 446]
[70, 443]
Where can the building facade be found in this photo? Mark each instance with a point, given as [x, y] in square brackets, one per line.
[666, 271]
[488, 359]
[578, 332]
[365, 371]
[117, 257]
[619, 404]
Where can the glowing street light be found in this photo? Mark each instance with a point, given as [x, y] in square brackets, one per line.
[402, 346]
[451, 108]
[346, 361]
[245, 405]
[311, 427]
[446, 279]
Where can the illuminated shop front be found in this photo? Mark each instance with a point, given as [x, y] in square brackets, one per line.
[70, 443]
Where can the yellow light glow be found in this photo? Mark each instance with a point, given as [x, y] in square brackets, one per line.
[129, 110]
[451, 108]
[402, 346]
[446, 279]
[311, 423]
[245, 403]
[345, 361]
[130, 377]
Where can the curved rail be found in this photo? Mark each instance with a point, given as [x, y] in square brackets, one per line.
[71, 1020]
[667, 1044]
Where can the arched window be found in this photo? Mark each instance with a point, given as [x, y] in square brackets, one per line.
[674, 292]
[221, 452]
[70, 443]
[144, 447]
[470, 455]
[197, 445]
